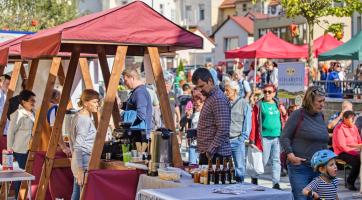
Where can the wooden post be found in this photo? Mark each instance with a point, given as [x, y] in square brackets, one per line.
[56, 131]
[118, 64]
[10, 93]
[164, 104]
[23, 72]
[39, 119]
[32, 73]
[105, 72]
[2, 68]
[84, 68]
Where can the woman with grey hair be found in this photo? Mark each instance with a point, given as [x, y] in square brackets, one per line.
[239, 128]
[304, 133]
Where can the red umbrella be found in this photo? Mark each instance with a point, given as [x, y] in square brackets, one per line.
[323, 44]
[268, 46]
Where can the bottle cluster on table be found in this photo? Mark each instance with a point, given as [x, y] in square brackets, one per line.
[210, 176]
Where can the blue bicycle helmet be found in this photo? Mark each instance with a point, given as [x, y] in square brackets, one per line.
[321, 158]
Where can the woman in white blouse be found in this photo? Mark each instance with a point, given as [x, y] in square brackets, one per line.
[20, 128]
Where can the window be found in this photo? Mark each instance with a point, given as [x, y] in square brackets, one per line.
[359, 21]
[188, 13]
[161, 9]
[201, 12]
[245, 7]
[231, 43]
[124, 2]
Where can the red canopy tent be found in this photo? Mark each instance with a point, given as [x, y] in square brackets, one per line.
[134, 29]
[323, 44]
[10, 48]
[135, 24]
[268, 46]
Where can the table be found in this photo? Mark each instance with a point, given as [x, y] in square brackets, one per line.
[150, 182]
[10, 176]
[205, 192]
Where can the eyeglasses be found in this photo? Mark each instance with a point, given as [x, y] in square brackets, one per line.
[318, 91]
[268, 91]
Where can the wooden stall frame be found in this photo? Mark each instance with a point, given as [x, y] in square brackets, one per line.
[11, 90]
[110, 107]
[56, 130]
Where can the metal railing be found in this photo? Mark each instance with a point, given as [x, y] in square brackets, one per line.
[350, 89]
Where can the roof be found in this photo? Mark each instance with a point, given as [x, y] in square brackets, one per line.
[203, 34]
[228, 4]
[136, 25]
[257, 15]
[244, 22]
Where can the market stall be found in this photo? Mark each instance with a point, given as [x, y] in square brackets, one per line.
[323, 44]
[139, 30]
[10, 52]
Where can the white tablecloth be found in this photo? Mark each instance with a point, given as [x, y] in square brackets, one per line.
[205, 192]
[149, 182]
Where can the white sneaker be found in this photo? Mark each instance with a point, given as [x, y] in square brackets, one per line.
[357, 195]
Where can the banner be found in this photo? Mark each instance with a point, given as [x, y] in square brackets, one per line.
[291, 79]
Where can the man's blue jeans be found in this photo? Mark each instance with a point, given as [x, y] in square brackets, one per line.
[271, 150]
[76, 190]
[193, 155]
[21, 158]
[238, 153]
[299, 177]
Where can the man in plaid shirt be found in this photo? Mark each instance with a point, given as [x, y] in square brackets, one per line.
[215, 118]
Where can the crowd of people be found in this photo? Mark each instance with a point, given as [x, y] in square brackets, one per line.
[220, 116]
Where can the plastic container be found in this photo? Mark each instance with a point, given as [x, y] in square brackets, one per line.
[7, 160]
[169, 174]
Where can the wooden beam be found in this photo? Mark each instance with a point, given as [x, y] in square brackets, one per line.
[109, 100]
[164, 104]
[32, 73]
[117, 68]
[84, 68]
[106, 73]
[23, 72]
[9, 94]
[2, 69]
[39, 120]
[57, 128]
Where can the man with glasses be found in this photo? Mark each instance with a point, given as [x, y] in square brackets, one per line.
[267, 121]
[334, 85]
[214, 122]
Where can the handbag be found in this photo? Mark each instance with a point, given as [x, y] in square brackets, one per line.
[130, 116]
[254, 162]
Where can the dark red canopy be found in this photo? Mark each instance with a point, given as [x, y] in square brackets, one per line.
[10, 48]
[323, 44]
[135, 24]
[268, 46]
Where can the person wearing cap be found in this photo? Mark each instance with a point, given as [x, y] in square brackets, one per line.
[239, 128]
[347, 144]
[325, 186]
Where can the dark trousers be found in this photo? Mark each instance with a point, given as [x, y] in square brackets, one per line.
[203, 160]
[355, 163]
[21, 158]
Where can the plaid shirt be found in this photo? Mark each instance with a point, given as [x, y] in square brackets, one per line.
[214, 125]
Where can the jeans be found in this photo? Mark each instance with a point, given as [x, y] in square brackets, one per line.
[299, 177]
[238, 153]
[21, 159]
[76, 190]
[271, 150]
[193, 155]
[76, 187]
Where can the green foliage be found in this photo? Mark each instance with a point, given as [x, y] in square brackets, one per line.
[34, 15]
[311, 10]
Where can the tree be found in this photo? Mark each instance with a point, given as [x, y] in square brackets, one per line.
[34, 15]
[313, 10]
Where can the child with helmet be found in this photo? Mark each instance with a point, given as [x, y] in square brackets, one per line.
[324, 186]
